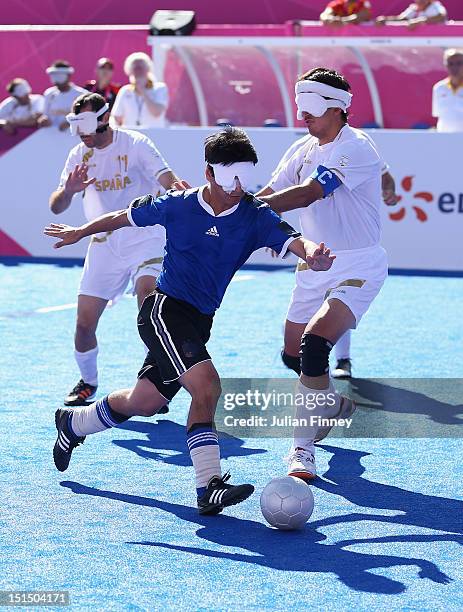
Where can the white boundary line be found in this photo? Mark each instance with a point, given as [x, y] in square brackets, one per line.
[61, 307]
[47, 309]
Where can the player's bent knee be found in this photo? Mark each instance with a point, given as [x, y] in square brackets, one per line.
[315, 354]
[86, 325]
[291, 362]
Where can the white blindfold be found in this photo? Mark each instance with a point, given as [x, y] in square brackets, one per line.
[311, 97]
[85, 123]
[59, 75]
[226, 176]
[60, 70]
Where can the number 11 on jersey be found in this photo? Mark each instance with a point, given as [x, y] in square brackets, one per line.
[125, 159]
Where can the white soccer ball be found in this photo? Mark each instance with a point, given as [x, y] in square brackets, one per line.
[287, 503]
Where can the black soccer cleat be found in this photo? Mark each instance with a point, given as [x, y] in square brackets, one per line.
[82, 394]
[66, 441]
[343, 369]
[219, 495]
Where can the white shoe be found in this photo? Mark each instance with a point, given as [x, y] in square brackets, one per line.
[301, 464]
[347, 408]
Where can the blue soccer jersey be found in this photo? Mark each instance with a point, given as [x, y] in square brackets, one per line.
[203, 250]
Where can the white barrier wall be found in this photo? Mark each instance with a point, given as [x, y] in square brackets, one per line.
[423, 232]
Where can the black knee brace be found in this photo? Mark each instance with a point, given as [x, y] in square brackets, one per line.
[315, 353]
[293, 363]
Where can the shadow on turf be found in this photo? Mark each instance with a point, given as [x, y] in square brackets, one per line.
[305, 551]
[387, 398]
[170, 436]
[344, 477]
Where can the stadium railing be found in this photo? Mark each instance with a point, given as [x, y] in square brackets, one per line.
[249, 79]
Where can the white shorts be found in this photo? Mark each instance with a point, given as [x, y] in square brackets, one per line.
[106, 274]
[355, 278]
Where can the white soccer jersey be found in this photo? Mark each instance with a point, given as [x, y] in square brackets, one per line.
[58, 103]
[127, 168]
[132, 107]
[349, 218]
[447, 106]
[11, 110]
[300, 141]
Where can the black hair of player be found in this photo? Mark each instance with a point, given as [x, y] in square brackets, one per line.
[96, 103]
[12, 84]
[95, 100]
[229, 146]
[328, 77]
[61, 64]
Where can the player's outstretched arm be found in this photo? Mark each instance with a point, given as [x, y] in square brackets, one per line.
[317, 256]
[299, 196]
[69, 235]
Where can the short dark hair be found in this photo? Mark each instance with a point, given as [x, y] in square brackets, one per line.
[12, 84]
[61, 64]
[328, 77]
[229, 146]
[95, 100]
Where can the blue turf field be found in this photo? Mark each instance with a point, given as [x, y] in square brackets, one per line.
[119, 529]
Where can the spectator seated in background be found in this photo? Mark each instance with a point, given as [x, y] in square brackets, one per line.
[59, 97]
[418, 13]
[22, 108]
[103, 84]
[344, 12]
[144, 101]
[447, 95]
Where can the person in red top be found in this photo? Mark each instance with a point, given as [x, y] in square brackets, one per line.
[103, 84]
[343, 12]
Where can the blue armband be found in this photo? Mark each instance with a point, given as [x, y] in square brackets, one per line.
[328, 180]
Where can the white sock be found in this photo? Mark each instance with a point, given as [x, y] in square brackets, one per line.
[342, 346]
[85, 420]
[87, 365]
[203, 445]
[326, 406]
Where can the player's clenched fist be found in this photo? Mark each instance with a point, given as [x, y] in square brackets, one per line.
[66, 233]
[78, 180]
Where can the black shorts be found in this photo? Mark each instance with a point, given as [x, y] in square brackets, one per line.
[175, 333]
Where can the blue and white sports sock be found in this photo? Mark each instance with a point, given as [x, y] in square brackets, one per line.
[85, 420]
[203, 444]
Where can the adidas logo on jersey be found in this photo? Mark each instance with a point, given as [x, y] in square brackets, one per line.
[212, 231]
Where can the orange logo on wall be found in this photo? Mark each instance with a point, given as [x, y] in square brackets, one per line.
[420, 213]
